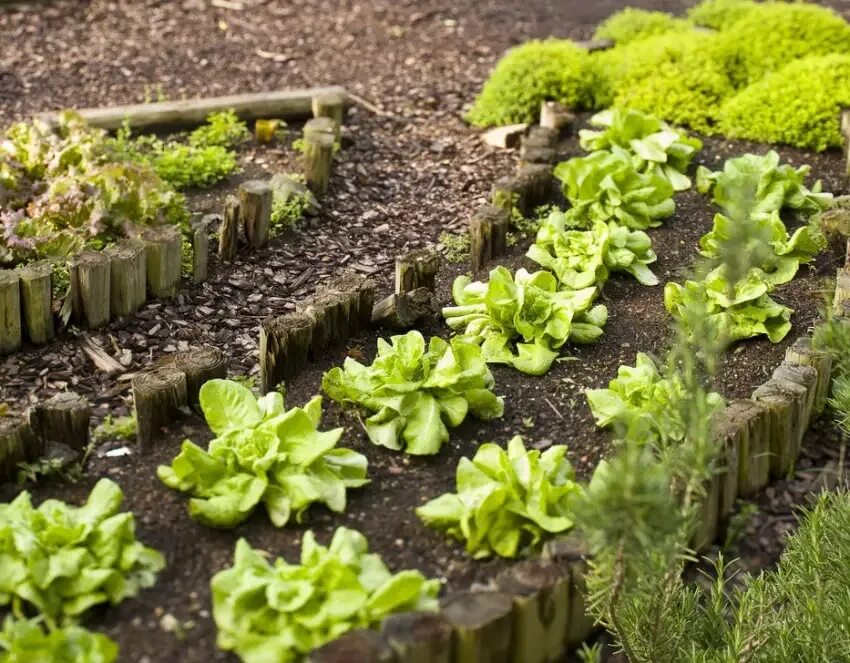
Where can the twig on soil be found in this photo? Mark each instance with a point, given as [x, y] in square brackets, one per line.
[99, 357]
[554, 409]
[372, 107]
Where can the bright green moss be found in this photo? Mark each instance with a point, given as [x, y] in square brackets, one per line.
[719, 14]
[631, 24]
[773, 34]
[554, 69]
[798, 105]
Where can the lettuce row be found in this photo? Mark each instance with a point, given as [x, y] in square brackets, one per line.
[26, 641]
[530, 307]
[653, 146]
[279, 612]
[641, 403]
[63, 560]
[262, 454]
[507, 501]
[583, 258]
[416, 393]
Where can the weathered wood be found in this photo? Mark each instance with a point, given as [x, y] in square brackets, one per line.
[10, 311]
[505, 137]
[284, 346]
[416, 269]
[158, 394]
[708, 516]
[228, 234]
[781, 422]
[539, 146]
[753, 421]
[360, 292]
[330, 312]
[488, 230]
[541, 596]
[318, 158]
[842, 290]
[554, 115]
[17, 444]
[319, 126]
[284, 104]
[255, 211]
[332, 105]
[801, 353]
[483, 626]
[531, 155]
[360, 646]
[806, 377]
[536, 181]
[729, 438]
[65, 418]
[405, 310]
[571, 553]
[99, 357]
[163, 259]
[37, 301]
[91, 288]
[419, 637]
[200, 365]
[201, 247]
[128, 271]
[508, 193]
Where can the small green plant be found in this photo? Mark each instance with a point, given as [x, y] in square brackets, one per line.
[508, 502]
[223, 129]
[631, 24]
[26, 641]
[291, 201]
[416, 392]
[116, 428]
[49, 468]
[281, 612]
[265, 454]
[455, 247]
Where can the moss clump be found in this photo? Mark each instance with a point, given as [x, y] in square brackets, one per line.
[771, 35]
[719, 14]
[630, 24]
[798, 105]
[537, 71]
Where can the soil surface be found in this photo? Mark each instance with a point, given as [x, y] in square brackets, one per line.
[407, 173]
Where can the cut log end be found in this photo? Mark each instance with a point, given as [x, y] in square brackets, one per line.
[360, 646]
[158, 395]
[65, 418]
[200, 365]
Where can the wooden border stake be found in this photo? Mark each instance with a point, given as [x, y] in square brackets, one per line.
[10, 311]
[330, 105]
[163, 258]
[483, 626]
[416, 269]
[158, 395]
[65, 418]
[284, 345]
[200, 365]
[37, 301]
[90, 288]
[419, 637]
[127, 277]
[255, 211]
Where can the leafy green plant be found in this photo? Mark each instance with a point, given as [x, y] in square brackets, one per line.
[64, 560]
[631, 24]
[772, 187]
[582, 258]
[654, 146]
[640, 403]
[508, 502]
[606, 187]
[455, 247]
[280, 612]
[49, 468]
[223, 129]
[115, 428]
[719, 14]
[26, 641]
[291, 201]
[415, 393]
[265, 454]
[527, 306]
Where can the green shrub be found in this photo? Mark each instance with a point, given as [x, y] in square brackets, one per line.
[719, 14]
[798, 105]
[631, 24]
[554, 69]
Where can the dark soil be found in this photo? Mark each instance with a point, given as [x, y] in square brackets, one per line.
[409, 173]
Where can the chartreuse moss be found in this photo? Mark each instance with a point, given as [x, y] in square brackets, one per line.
[631, 24]
[719, 14]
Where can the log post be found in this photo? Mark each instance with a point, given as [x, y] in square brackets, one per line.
[541, 597]
[806, 377]
[17, 444]
[753, 421]
[10, 311]
[539, 146]
[163, 257]
[318, 157]
[65, 418]
[330, 105]
[784, 404]
[729, 437]
[127, 277]
[360, 292]
[405, 310]
[37, 301]
[842, 290]
[507, 193]
[320, 324]
[536, 181]
[228, 234]
[554, 115]
[360, 646]
[845, 131]
[330, 313]
[417, 269]
[419, 637]
[158, 395]
[90, 288]
[483, 626]
[200, 365]
[284, 345]
[571, 553]
[801, 353]
[488, 231]
[201, 248]
[255, 211]
[708, 516]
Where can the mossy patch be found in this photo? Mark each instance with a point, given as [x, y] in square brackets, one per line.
[719, 14]
[631, 24]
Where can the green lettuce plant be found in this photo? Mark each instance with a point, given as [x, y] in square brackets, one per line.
[642, 403]
[280, 612]
[654, 146]
[416, 392]
[265, 454]
[530, 307]
[63, 560]
[26, 641]
[508, 502]
[772, 187]
[583, 258]
[606, 187]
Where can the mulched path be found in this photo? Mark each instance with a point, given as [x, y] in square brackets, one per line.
[408, 174]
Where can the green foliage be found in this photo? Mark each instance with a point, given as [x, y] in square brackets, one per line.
[582, 258]
[222, 130]
[654, 146]
[800, 105]
[455, 247]
[606, 187]
[283, 611]
[496, 314]
[48, 468]
[640, 403]
[719, 14]
[507, 502]
[64, 560]
[415, 392]
[26, 641]
[529, 74]
[291, 201]
[265, 454]
[631, 24]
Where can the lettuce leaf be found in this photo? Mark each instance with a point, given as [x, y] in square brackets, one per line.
[26, 641]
